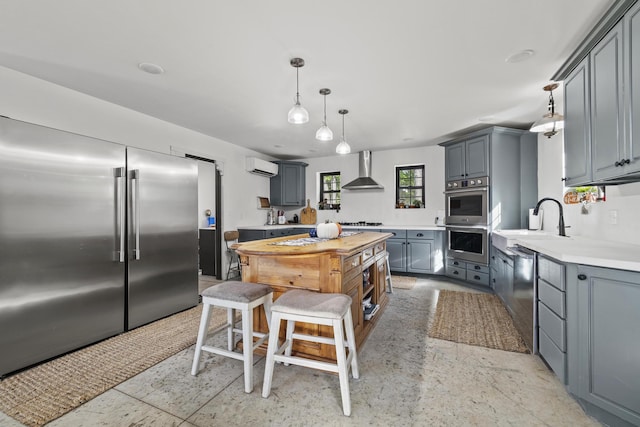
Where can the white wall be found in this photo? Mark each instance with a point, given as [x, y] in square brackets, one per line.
[379, 205]
[206, 192]
[33, 100]
[624, 199]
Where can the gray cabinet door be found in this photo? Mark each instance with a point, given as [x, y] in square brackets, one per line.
[632, 85]
[607, 124]
[419, 256]
[609, 340]
[288, 187]
[577, 130]
[477, 156]
[454, 161]
[397, 249]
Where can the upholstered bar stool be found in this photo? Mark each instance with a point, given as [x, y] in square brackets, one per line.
[233, 296]
[322, 309]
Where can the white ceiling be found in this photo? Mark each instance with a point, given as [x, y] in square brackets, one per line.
[410, 72]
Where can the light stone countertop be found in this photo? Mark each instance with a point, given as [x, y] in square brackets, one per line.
[578, 249]
[346, 227]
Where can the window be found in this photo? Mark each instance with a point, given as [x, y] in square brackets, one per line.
[329, 190]
[410, 186]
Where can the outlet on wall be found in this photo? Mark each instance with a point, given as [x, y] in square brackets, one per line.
[613, 217]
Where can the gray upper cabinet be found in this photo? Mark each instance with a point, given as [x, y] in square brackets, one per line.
[288, 187]
[602, 98]
[467, 159]
[607, 125]
[577, 133]
[606, 365]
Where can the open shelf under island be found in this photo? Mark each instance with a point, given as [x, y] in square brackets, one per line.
[354, 265]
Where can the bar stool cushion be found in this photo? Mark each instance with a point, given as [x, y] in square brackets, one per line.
[237, 291]
[308, 303]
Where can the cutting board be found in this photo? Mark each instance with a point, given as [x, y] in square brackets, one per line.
[308, 214]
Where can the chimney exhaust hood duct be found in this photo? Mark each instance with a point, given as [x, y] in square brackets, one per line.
[364, 180]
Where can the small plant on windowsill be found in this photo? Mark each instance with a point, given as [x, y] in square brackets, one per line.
[417, 204]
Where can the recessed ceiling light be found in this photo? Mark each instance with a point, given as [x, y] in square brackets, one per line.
[278, 146]
[523, 55]
[151, 68]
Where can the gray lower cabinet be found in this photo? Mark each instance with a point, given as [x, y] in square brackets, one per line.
[552, 335]
[252, 234]
[502, 276]
[478, 274]
[416, 251]
[604, 332]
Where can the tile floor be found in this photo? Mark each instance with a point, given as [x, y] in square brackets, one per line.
[407, 379]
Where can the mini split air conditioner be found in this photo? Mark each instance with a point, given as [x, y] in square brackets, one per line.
[261, 167]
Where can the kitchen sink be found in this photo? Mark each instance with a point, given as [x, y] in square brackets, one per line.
[504, 239]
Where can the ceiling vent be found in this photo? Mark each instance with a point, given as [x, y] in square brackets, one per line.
[261, 167]
[364, 180]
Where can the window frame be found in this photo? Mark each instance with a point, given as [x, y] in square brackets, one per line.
[399, 188]
[322, 197]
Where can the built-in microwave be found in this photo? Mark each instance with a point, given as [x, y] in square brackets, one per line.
[467, 201]
[468, 244]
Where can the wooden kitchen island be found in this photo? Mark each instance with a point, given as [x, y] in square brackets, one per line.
[354, 265]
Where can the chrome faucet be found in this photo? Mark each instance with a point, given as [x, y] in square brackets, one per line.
[560, 221]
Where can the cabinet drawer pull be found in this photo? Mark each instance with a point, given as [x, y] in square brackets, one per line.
[455, 272]
[582, 277]
[476, 277]
[420, 235]
[355, 263]
[477, 267]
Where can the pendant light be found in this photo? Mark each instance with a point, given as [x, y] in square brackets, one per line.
[343, 147]
[551, 122]
[298, 114]
[324, 133]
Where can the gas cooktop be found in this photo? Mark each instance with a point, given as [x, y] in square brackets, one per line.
[362, 223]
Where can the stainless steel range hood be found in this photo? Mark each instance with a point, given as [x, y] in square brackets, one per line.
[364, 180]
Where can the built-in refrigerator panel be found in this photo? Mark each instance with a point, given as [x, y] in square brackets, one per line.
[163, 235]
[61, 275]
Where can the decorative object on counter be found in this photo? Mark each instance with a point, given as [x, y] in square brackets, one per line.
[211, 220]
[308, 214]
[551, 122]
[295, 219]
[324, 133]
[47, 391]
[589, 194]
[298, 114]
[313, 233]
[281, 218]
[475, 319]
[328, 230]
[343, 147]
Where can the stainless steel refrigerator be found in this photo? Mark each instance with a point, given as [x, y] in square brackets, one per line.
[95, 238]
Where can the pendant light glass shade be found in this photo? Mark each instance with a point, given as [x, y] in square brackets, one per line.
[551, 122]
[297, 114]
[324, 133]
[343, 147]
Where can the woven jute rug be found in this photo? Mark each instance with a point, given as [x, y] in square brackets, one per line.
[403, 282]
[50, 390]
[475, 319]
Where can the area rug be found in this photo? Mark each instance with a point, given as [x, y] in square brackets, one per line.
[475, 319]
[48, 391]
[403, 282]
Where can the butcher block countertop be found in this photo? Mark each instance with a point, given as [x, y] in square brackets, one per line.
[343, 246]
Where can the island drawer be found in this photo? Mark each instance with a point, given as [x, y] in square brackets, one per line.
[351, 262]
[380, 247]
[552, 272]
[555, 358]
[553, 326]
[552, 297]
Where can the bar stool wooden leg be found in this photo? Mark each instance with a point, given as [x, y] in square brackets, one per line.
[341, 359]
[231, 319]
[351, 342]
[202, 333]
[247, 349]
[272, 348]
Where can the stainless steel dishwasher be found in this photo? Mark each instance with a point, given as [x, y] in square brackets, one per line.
[524, 295]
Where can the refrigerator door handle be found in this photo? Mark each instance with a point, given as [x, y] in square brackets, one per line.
[135, 205]
[121, 202]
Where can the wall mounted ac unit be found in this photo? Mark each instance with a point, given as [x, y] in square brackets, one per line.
[261, 167]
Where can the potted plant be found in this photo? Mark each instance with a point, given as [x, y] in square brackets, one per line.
[417, 203]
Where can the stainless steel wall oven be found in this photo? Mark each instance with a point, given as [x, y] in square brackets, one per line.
[468, 244]
[467, 201]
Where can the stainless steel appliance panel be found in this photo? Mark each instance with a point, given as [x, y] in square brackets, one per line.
[467, 202]
[163, 235]
[522, 300]
[61, 279]
[468, 244]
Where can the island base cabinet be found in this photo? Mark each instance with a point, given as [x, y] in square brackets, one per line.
[605, 371]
